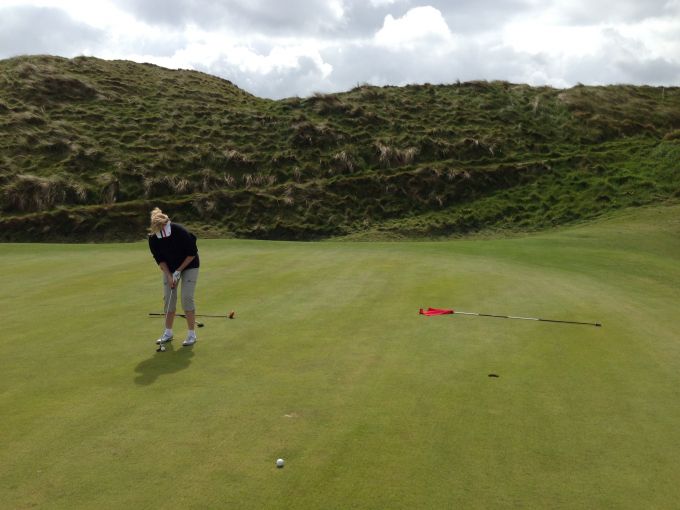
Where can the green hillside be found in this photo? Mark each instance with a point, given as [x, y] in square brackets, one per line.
[87, 146]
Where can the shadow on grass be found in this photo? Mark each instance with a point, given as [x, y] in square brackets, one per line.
[162, 363]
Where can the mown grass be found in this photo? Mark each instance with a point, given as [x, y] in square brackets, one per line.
[329, 366]
[86, 137]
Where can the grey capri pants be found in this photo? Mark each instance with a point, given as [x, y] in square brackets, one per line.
[189, 278]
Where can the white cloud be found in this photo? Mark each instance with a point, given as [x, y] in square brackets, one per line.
[537, 37]
[581, 41]
[660, 36]
[241, 58]
[421, 25]
[337, 8]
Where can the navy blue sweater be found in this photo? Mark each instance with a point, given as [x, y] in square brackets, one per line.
[175, 248]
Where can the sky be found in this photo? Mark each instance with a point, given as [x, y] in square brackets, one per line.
[279, 48]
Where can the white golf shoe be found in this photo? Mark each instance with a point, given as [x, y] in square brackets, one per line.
[165, 338]
[191, 340]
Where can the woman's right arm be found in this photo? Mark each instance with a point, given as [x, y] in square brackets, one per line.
[162, 265]
[168, 275]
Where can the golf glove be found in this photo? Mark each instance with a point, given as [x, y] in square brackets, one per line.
[175, 276]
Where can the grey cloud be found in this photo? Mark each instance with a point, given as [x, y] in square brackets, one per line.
[650, 72]
[174, 12]
[303, 17]
[308, 16]
[462, 16]
[622, 61]
[586, 12]
[315, 17]
[31, 30]
[470, 16]
[362, 19]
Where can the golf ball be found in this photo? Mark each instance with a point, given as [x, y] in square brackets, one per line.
[279, 463]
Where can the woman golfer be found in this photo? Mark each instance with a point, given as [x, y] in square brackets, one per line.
[174, 249]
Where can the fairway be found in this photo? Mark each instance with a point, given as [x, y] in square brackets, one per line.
[329, 366]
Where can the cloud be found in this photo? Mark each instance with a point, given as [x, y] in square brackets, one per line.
[242, 16]
[39, 30]
[474, 17]
[278, 49]
[272, 68]
[657, 71]
[301, 79]
[380, 3]
[419, 26]
[646, 51]
[587, 12]
[535, 38]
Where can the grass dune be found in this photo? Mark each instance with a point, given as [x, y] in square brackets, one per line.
[87, 144]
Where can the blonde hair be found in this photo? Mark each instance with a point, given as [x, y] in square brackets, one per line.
[158, 220]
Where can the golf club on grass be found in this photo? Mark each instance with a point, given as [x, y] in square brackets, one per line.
[444, 311]
[230, 315]
[198, 324]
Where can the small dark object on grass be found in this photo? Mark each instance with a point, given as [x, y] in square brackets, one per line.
[494, 375]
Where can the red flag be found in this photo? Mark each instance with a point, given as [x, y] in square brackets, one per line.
[436, 311]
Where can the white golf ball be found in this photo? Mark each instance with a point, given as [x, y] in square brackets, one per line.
[279, 463]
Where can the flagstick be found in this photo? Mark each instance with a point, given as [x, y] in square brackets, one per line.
[598, 324]
[451, 312]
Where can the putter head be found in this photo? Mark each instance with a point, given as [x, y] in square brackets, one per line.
[231, 314]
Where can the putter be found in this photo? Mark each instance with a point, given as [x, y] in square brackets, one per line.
[161, 346]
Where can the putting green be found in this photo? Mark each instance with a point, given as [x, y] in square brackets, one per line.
[329, 366]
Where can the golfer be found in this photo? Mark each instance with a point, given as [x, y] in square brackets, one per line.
[174, 249]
